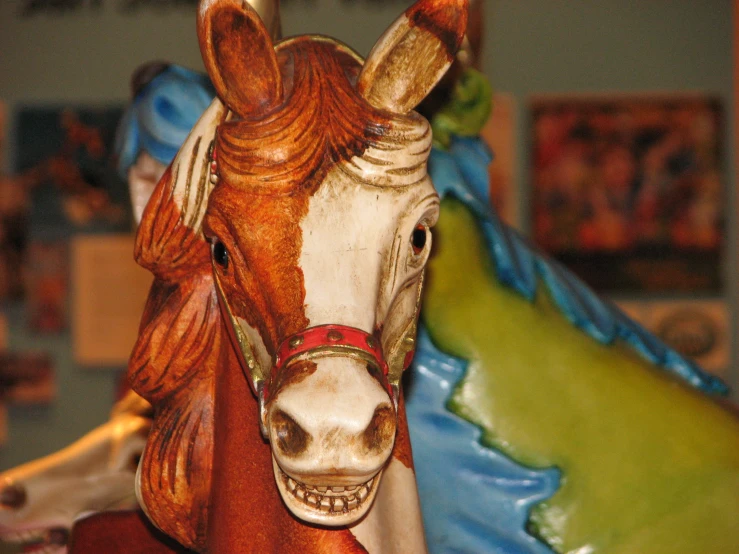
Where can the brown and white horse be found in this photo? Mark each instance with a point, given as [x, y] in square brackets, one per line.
[288, 241]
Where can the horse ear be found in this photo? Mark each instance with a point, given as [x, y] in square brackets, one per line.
[239, 56]
[413, 54]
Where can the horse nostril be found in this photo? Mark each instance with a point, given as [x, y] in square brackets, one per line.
[380, 433]
[291, 438]
[13, 496]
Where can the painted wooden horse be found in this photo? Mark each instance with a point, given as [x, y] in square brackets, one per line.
[288, 241]
[40, 500]
[167, 100]
[493, 495]
[565, 425]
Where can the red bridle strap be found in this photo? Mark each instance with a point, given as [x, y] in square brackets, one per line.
[338, 339]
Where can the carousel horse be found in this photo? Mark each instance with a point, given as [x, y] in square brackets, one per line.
[588, 341]
[40, 500]
[288, 240]
[167, 101]
[568, 426]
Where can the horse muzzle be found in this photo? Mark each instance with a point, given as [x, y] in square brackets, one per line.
[331, 420]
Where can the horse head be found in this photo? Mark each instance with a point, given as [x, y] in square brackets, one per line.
[40, 500]
[288, 240]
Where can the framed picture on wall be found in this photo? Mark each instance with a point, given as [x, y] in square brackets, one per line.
[27, 378]
[13, 223]
[64, 166]
[629, 191]
[699, 329]
[105, 322]
[63, 183]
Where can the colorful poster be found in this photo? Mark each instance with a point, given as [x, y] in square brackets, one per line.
[629, 192]
[64, 183]
[64, 169]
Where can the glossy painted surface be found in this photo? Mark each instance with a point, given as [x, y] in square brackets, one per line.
[641, 453]
[167, 101]
[474, 499]
[461, 172]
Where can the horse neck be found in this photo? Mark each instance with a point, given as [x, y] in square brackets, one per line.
[246, 512]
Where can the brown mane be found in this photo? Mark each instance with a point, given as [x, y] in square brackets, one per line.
[173, 364]
[323, 117]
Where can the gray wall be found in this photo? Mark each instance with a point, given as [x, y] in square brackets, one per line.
[532, 47]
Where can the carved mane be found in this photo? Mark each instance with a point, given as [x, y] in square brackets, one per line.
[323, 118]
[180, 342]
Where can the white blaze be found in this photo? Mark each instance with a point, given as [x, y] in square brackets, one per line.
[356, 235]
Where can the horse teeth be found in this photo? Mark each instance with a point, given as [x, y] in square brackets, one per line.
[330, 499]
[23, 535]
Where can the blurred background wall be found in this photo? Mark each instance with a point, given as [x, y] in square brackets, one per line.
[531, 47]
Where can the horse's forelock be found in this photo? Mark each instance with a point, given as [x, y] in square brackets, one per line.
[323, 120]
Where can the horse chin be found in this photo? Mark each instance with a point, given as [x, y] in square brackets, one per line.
[331, 505]
[43, 539]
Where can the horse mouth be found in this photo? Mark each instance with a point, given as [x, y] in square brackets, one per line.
[331, 505]
[42, 540]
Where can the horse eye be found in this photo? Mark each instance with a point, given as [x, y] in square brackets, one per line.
[418, 239]
[220, 254]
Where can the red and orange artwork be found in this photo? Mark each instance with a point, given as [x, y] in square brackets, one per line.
[629, 191]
